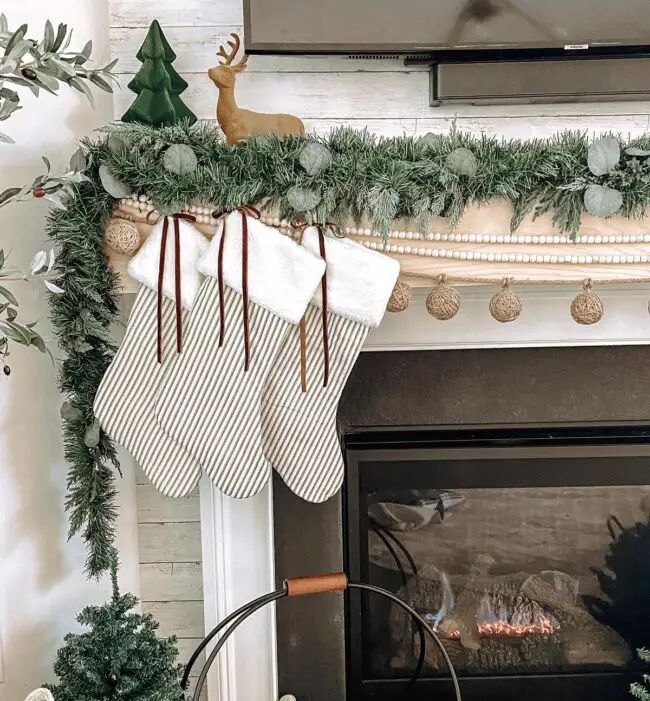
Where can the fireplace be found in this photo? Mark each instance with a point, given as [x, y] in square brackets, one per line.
[517, 483]
[521, 547]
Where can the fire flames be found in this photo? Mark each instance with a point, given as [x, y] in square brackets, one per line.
[505, 617]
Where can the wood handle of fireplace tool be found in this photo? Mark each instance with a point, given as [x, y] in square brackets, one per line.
[302, 586]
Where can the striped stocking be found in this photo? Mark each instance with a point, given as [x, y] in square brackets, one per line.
[299, 412]
[125, 399]
[258, 284]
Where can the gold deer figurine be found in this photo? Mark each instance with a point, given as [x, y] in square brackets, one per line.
[238, 124]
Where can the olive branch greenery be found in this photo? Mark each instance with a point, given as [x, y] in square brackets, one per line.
[345, 174]
[38, 65]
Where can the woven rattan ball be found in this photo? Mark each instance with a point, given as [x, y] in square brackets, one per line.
[505, 305]
[587, 307]
[400, 297]
[443, 302]
[122, 236]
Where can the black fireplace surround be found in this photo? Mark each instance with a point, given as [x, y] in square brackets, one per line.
[517, 484]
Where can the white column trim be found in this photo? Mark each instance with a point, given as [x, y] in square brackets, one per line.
[239, 565]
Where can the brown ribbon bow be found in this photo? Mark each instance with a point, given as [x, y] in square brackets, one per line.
[177, 281]
[243, 210]
[302, 327]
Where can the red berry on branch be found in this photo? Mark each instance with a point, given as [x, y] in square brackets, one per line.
[39, 192]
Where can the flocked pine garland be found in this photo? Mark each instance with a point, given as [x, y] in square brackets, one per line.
[346, 174]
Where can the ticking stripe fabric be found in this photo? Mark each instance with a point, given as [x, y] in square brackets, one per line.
[209, 403]
[124, 404]
[299, 428]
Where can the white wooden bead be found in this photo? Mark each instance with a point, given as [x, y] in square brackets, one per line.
[430, 236]
[464, 238]
[480, 238]
[528, 239]
[437, 236]
[430, 251]
[463, 255]
[409, 234]
[616, 259]
[519, 258]
[470, 255]
[472, 238]
[142, 198]
[400, 249]
[619, 239]
[499, 239]
[581, 260]
[498, 257]
[490, 257]
[407, 249]
[626, 239]
[560, 259]
[535, 239]
[589, 259]
[421, 251]
[553, 259]
[644, 259]
[528, 259]
[637, 259]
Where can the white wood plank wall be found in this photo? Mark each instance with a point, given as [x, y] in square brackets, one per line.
[169, 541]
[381, 95]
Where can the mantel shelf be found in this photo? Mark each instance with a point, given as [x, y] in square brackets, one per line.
[480, 250]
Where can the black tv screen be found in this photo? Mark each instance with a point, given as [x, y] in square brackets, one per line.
[430, 26]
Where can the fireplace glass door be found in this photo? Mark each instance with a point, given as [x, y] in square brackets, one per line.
[527, 562]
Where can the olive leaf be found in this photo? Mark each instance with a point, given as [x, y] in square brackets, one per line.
[112, 185]
[302, 199]
[91, 437]
[462, 161]
[603, 155]
[180, 159]
[633, 151]
[602, 201]
[315, 158]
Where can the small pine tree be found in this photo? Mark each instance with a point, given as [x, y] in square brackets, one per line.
[640, 690]
[119, 658]
[157, 84]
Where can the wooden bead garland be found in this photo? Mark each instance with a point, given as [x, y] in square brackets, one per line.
[587, 307]
[122, 236]
[400, 297]
[443, 302]
[505, 305]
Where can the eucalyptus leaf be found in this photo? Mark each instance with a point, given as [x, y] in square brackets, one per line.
[633, 151]
[48, 37]
[462, 161]
[603, 155]
[78, 161]
[79, 85]
[39, 343]
[602, 201]
[102, 84]
[92, 435]
[69, 412]
[6, 139]
[112, 185]
[302, 199]
[180, 159]
[116, 144]
[315, 158]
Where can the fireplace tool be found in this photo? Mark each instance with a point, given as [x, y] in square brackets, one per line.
[303, 586]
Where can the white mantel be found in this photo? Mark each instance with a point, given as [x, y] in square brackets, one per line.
[238, 553]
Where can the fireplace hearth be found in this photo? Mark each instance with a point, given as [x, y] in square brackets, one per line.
[504, 494]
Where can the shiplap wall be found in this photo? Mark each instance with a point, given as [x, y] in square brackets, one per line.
[379, 95]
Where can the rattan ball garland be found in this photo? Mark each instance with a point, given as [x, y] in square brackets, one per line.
[400, 297]
[122, 236]
[505, 305]
[443, 301]
[587, 307]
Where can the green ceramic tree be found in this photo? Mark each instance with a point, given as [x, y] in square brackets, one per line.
[157, 84]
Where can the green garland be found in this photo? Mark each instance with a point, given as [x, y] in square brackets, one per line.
[347, 174]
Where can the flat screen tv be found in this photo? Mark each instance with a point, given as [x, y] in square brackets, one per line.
[448, 27]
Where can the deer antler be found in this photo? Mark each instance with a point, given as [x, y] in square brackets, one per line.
[229, 56]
